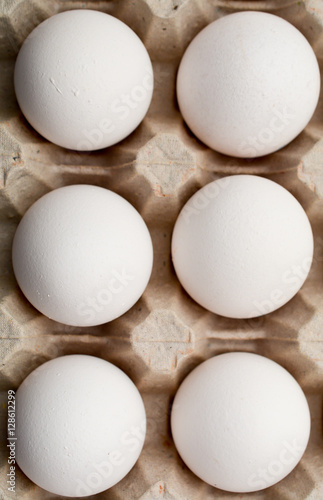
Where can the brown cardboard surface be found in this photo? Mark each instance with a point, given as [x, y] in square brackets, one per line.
[157, 168]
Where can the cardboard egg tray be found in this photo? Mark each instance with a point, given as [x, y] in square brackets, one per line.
[157, 168]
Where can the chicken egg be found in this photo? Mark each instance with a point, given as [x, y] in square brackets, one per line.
[83, 79]
[242, 246]
[81, 425]
[240, 422]
[82, 255]
[248, 84]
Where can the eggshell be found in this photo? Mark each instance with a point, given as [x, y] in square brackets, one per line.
[242, 246]
[81, 425]
[240, 422]
[248, 84]
[83, 79]
[82, 255]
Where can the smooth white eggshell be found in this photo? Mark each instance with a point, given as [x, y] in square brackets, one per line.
[248, 84]
[81, 425]
[242, 246]
[83, 79]
[82, 255]
[240, 422]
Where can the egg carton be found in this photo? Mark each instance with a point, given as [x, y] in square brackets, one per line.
[157, 168]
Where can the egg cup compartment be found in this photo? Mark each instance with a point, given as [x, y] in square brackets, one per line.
[157, 168]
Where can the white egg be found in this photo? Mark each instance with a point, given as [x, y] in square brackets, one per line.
[248, 84]
[83, 79]
[240, 422]
[82, 255]
[242, 246]
[81, 425]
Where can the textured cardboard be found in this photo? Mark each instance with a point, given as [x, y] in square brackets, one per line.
[157, 168]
